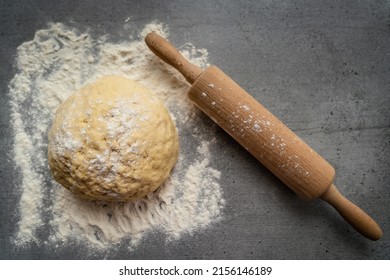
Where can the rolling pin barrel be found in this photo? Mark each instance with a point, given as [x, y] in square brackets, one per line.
[263, 135]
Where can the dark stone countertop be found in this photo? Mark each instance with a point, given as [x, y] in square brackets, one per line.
[322, 67]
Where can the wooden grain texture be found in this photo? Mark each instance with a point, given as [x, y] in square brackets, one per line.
[262, 134]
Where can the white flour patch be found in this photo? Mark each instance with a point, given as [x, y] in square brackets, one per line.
[57, 62]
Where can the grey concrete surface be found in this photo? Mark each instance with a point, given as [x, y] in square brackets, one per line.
[322, 67]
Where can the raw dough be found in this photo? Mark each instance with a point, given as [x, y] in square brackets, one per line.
[112, 140]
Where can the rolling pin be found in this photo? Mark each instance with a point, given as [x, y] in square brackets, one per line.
[263, 135]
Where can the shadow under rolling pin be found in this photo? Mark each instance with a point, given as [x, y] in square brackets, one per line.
[263, 135]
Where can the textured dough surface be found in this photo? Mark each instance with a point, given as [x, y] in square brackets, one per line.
[112, 140]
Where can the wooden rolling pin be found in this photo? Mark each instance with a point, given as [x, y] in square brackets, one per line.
[263, 135]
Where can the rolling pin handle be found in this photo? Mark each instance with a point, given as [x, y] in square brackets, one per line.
[168, 53]
[355, 216]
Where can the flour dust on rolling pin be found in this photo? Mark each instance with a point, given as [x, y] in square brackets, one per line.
[261, 133]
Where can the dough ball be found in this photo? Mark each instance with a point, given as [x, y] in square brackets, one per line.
[112, 140]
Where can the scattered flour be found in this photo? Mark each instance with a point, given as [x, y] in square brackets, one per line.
[58, 61]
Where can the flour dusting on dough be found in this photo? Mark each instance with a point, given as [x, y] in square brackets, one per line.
[60, 60]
